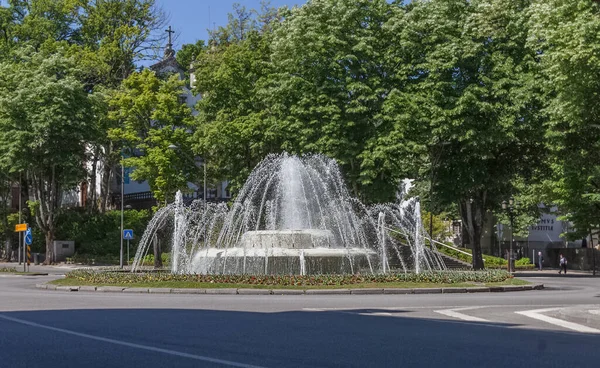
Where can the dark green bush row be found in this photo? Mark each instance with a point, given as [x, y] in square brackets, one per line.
[438, 277]
[98, 235]
[8, 269]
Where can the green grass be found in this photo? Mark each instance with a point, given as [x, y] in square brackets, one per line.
[207, 285]
[8, 269]
[513, 281]
[490, 262]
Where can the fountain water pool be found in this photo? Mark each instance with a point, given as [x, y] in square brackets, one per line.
[294, 215]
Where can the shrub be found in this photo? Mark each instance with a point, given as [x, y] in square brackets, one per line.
[489, 261]
[97, 235]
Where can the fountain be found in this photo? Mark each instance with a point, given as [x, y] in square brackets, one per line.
[294, 215]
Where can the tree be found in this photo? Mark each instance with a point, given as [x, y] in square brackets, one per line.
[234, 128]
[567, 35]
[105, 38]
[45, 119]
[234, 133]
[6, 230]
[469, 109]
[188, 53]
[150, 118]
[329, 83]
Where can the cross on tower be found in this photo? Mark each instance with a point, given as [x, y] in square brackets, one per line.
[169, 31]
[169, 50]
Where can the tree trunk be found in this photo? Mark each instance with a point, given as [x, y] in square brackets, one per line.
[8, 248]
[92, 196]
[49, 248]
[471, 212]
[157, 253]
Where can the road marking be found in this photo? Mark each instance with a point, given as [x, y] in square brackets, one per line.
[375, 314]
[537, 314]
[455, 314]
[132, 345]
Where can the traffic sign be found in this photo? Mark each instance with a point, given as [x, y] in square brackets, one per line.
[28, 237]
[21, 227]
[128, 234]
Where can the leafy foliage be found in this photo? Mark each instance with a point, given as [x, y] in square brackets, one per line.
[567, 34]
[150, 120]
[97, 234]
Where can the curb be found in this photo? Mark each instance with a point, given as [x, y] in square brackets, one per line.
[232, 291]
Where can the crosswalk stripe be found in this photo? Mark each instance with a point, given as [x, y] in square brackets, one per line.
[537, 314]
[454, 313]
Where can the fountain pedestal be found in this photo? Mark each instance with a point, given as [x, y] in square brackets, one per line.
[284, 252]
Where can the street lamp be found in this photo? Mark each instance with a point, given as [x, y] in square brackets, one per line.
[174, 147]
[509, 207]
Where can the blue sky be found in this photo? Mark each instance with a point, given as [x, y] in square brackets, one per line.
[191, 18]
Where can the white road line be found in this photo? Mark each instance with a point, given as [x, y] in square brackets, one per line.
[132, 345]
[455, 314]
[409, 308]
[376, 314]
[537, 314]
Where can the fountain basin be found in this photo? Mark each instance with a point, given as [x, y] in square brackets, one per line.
[283, 261]
[292, 239]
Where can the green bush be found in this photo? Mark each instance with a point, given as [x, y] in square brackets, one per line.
[99, 235]
[489, 261]
[437, 277]
[149, 259]
[523, 262]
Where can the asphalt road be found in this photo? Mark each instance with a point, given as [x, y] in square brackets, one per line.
[556, 327]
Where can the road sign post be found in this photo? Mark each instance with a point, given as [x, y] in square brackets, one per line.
[20, 228]
[127, 235]
[27, 248]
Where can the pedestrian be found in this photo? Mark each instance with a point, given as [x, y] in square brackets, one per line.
[540, 259]
[562, 264]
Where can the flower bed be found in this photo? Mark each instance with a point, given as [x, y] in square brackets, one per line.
[433, 277]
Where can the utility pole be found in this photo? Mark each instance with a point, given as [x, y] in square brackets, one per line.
[509, 208]
[20, 220]
[122, 196]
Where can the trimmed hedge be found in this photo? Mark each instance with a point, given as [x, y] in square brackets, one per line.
[436, 277]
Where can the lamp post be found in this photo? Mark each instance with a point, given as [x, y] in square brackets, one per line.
[509, 207]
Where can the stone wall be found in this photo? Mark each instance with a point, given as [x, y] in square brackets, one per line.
[577, 258]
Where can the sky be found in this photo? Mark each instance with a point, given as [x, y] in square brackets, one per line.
[190, 19]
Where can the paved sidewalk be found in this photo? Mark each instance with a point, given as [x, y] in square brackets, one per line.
[57, 269]
[553, 272]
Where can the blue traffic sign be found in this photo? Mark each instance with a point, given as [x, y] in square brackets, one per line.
[28, 237]
[128, 234]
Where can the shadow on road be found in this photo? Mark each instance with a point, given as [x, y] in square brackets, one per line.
[345, 338]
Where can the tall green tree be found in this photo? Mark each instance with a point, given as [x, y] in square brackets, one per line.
[45, 116]
[105, 38]
[468, 110]
[567, 35]
[151, 121]
[235, 130]
[329, 83]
